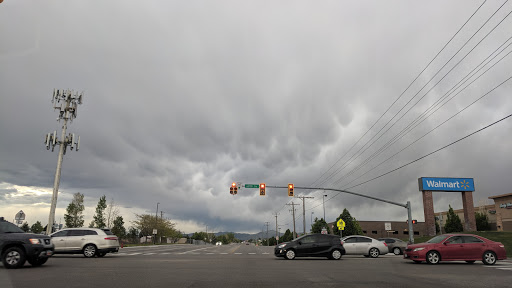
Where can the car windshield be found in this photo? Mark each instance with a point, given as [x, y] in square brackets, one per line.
[6, 227]
[437, 239]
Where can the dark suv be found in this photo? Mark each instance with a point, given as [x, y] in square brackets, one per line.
[312, 245]
[16, 246]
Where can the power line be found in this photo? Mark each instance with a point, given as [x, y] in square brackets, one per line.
[353, 158]
[435, 57]
[415, 123]
[433, 128]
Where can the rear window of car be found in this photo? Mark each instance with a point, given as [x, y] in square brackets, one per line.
[90, 232]
[471, 239]
[362, 239]
[76, 233]
[107, 231]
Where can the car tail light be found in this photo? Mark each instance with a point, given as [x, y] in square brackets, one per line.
[111, 238]
[342, 242]
[385, 244]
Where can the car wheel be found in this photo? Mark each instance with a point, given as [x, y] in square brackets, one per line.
[37, 261]
[335, 254]
[89, 250]
[13, 257]
[489, 258]
[101, 254]
[290, 254]
[397, 251]
[433, 257]
[471, 262]
[374, 252]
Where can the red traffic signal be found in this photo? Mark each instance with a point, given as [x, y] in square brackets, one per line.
[262, 189]
[414, 221]
[233, 189]
[290, 190]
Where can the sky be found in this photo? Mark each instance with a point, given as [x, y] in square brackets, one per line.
[182, 98]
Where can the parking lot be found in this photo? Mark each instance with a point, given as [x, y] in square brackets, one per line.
[247, 266]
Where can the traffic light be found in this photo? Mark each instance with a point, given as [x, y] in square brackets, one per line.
[235, 189]
[231, 190]
[290, 190]
[262, 189]
[414, 221]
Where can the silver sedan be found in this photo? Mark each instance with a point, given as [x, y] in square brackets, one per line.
[362, 245]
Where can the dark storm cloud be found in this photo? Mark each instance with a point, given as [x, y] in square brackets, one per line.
[183, 98]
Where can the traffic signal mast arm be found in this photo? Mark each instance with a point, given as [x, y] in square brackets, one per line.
[406, 206]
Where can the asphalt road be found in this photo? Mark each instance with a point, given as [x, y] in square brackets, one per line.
[247, 266]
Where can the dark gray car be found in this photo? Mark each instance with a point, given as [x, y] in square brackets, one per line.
[395, 245]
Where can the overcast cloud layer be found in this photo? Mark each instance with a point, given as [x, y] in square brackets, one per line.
[184, 97]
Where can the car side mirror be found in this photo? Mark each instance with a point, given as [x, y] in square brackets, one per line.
[300, 242]
[445, 243]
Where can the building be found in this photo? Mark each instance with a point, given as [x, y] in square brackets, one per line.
[503, 211]
[490, 210]
[397, 229]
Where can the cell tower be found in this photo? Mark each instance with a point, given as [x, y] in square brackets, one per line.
[68, 100]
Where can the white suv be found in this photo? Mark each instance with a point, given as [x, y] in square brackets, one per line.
[89, 241]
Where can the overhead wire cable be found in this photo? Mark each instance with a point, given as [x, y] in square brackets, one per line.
[353, 158]
[413, 125]
[428, 65]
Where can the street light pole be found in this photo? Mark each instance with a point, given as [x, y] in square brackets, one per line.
[324, 207]
[312, 218]
[156, 222]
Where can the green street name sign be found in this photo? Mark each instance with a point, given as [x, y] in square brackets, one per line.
[252, 185]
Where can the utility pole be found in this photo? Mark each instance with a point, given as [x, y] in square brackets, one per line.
[67, 111]
[156, 222]
[266, 223]
[293, 212]
[304, 211]
[324, 207]
[276, 227]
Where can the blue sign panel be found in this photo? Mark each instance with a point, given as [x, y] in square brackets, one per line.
[446, 184]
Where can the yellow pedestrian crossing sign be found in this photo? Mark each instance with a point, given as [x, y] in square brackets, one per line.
[341, 224]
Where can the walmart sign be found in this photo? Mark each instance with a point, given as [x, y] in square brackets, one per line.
[446, 184]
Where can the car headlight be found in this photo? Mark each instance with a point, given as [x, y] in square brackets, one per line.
[281, 246]
[34, 241]
[417, 249]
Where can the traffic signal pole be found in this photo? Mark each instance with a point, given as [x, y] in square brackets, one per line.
[406, 206]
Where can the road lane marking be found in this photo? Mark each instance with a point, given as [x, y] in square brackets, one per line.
[134, 254]
[166, 253]
[238, 253]
[252, 253]
[149, 254]
[224, 253]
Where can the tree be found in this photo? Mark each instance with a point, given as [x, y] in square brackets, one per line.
[318, 225]
[111, 213]
[36, 228]
[99, 217]
[453, 223]
[118, 228]
[74, 218]
[287, 237]
[25, 227]
[438, 228]
[133, 235]
[352, 227]
[482, 222]
[145, 223]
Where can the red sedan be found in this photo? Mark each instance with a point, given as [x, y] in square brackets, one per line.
[456, 247]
